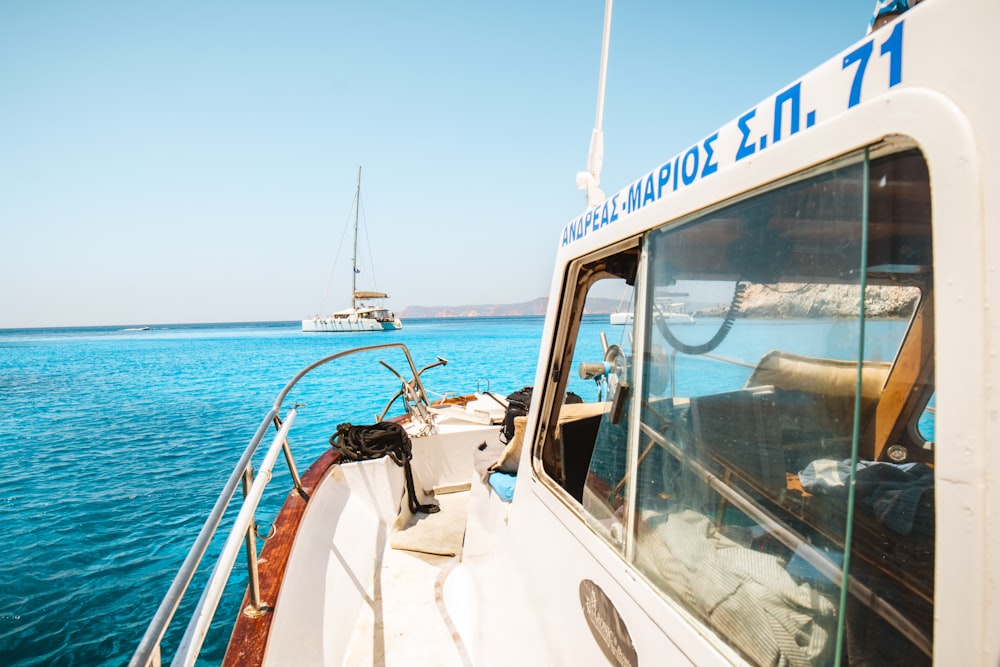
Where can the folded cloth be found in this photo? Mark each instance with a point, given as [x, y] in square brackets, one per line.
[901, 496]
[747, 596]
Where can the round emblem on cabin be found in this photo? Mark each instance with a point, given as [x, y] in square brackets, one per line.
[606, 625]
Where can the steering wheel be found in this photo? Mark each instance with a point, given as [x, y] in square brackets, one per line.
[616, 364]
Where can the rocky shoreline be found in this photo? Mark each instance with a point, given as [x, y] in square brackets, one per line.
[798, 300]
[790, 300]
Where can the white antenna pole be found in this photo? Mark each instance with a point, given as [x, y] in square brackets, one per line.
[590, 180]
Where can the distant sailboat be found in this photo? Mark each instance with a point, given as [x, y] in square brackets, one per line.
[361, 316]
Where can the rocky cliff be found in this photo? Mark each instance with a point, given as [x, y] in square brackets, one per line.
[790, 300]
[793, 300]
[528, 308]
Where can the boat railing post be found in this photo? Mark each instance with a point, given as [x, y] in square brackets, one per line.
[253, 588]
[148, 651]
[290, 460]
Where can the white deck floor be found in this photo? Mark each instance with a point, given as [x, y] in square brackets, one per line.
[405, 624]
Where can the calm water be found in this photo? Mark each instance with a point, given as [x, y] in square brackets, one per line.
[115, 443]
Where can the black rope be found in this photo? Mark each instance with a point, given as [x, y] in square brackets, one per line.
[365, 443]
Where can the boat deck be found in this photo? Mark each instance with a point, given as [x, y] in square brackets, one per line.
[406, 622]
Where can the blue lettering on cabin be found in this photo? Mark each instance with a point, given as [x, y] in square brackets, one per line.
[632, 201]
[664, 179]
[649, 194]
[892, 47]
[783, 115]
[710, 166]
[682, 171]
[745, 149]
[793, 95]
[860, 56]
[690, 174]
[591, 221]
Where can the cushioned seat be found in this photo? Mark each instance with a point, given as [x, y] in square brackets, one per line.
[830, 377]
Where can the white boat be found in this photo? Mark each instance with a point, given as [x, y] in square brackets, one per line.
[672, 311]
[764, 495]
[359, 317]
[362, 315]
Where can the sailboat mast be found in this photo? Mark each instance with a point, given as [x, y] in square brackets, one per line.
[354, 255]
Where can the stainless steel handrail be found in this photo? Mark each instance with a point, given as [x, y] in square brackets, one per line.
[197, 628]
[148, 651]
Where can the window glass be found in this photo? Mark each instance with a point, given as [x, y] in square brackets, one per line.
[925, 427]
[767, 382]
[585, 450]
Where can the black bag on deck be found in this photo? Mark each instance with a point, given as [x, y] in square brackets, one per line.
[517, 406]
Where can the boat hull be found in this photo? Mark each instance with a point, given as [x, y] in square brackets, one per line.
[334, 325]
[623, 319]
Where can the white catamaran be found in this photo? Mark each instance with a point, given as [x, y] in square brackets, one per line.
[811, 481]
[361, 316]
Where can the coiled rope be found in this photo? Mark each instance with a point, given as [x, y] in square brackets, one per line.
[366, 443]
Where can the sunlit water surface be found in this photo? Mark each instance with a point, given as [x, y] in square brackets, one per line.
[115, 442]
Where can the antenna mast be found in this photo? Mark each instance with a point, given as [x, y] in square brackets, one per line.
[590, 180]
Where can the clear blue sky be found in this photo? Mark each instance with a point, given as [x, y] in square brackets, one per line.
[195, 160]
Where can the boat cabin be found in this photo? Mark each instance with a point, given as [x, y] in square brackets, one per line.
[803, 476]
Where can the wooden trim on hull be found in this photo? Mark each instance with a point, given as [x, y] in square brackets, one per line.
[249, 638]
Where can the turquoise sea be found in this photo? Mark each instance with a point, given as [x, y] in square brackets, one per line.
[115, 442]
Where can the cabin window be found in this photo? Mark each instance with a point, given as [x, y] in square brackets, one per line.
[925, 425]
[765, 353]
[809, 361]
[585, 449]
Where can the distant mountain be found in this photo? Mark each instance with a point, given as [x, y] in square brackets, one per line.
[536, 307]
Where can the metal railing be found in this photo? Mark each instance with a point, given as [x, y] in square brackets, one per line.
[148, 653]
